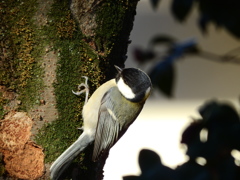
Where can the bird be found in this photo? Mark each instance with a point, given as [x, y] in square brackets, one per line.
[107, 114]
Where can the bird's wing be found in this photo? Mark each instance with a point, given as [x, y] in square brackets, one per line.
[108, 127]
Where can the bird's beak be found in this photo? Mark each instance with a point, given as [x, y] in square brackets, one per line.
[118, 69]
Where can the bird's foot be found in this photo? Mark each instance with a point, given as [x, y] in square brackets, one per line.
[80, 128]
[80, 90]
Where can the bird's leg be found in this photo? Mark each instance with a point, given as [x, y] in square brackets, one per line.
[86, 89]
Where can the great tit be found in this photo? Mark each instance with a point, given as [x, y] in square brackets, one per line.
[107, 115]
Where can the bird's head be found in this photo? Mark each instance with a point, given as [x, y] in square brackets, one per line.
[134, 84]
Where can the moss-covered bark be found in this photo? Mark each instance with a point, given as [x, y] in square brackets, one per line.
[87, 37]
[106, 26]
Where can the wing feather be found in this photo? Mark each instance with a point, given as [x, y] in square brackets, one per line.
[108, 127]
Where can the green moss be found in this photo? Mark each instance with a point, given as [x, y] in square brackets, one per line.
[21, 43]
[110, 19]
[75, 59]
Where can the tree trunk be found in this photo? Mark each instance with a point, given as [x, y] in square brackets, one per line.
[46, 46]
[106, 26]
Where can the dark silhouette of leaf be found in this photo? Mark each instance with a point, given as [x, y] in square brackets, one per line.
[162, 76]
[181, 8]
[161, 39]
[192, 50]
[191, 137]
[190, 170]
[232, 136]
[159, 172]
[185, 47]
[148, 159]
[191, 133]
[154, 4]
[222, 13]
[203, 22]
[221, 113]
[152, 168]
[143, 56]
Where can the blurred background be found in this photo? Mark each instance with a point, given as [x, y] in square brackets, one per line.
[197, 80]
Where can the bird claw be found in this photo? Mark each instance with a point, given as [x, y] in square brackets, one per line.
[79, 92]
[80, 128]
[86, 89]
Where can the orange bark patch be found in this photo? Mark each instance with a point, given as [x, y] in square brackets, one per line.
[23, 159]
[15, 131]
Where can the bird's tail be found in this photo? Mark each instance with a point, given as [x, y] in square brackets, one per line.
[65, 159]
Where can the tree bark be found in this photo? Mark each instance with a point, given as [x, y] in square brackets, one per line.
[45, 49]
[106, 26]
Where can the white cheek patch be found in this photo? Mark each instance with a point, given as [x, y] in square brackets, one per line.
[125, 89]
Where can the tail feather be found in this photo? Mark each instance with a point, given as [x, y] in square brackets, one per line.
[65, 159]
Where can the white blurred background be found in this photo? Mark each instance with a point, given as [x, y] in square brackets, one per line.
[162, 121]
